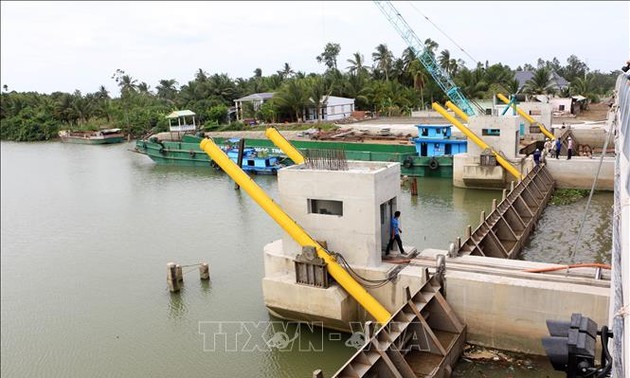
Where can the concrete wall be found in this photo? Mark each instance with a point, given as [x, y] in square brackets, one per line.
[579, 172]
[467, 173]
[332, 306]
[506, 308]
[557, 101]
[362, 189]
[594, 136]
[507, 142]
[544, 117]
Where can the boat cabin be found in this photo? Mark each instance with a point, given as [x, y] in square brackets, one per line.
[181, 120]
[435, 140]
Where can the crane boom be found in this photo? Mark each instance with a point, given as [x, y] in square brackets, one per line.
[441, 77]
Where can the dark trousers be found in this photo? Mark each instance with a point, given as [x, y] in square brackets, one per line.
[558, 153]
[569, 153]
[391, 244]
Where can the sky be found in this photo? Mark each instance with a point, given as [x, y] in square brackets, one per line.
[66, 46]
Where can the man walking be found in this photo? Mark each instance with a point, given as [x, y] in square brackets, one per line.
[395, 234]
[569, 148]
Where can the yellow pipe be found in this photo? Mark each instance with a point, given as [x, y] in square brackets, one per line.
[457, 111]
[504, 163]
[280, 141]
[527, 117]
[346, 281]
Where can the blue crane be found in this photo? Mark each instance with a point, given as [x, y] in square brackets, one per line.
[441, 77]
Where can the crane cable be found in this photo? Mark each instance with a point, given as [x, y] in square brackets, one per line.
[446, 35]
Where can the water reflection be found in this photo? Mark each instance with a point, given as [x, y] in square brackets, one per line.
[177, 307]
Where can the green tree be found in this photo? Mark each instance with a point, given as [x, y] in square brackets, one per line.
[319, 91]
[540, 83]
[218, 114]
[382, 59]
[357, 65]
[293, 97]
[329, 56]
[286, 72]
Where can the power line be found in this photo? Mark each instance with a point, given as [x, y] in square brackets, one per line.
[446, 35]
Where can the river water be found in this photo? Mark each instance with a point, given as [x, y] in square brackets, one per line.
[87, 232]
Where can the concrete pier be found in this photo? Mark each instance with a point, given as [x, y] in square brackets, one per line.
[506, 308]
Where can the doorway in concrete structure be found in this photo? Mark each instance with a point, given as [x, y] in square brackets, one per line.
[387, 212]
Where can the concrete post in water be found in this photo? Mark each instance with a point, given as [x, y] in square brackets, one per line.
[482, 217]
[204, 271]
[171, 277]
[468, 231]
[180, 273]
[452, 252]
[459, 243]
[494, 204]
[239, 159]
[504, 195]
[318, 373]
[511, 186]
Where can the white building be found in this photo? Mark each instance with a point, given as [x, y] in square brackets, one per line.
[335, 108]
[257, 99]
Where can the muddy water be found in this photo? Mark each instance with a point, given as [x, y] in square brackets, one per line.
[87, 232]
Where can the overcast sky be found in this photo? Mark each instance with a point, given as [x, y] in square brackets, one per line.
[63, 46]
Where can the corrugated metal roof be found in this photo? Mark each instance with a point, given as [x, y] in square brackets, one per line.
[180, 113]
[256, 96]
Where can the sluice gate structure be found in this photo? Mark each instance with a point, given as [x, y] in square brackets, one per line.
[504, 231]
[424, 338]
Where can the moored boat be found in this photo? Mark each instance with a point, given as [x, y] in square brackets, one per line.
[104, 136]
[186, 151]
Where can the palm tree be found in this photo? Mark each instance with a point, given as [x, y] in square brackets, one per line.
[329, 56]
[585, 87]
[201, 76]
[540, 83]
[472, 83]
[167, 89]
[420, 77]
[319, 91]
[430, 46]
[382, 58]
[102, 93]
[357, 64]
[444, 60]
[286, 72]
[408, 56]
[144, 88]
[222, 88]
[128, 85]
[293, 96]
[513, 86]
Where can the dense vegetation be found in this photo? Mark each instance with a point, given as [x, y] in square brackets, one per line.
[388, 86]
[568, 196]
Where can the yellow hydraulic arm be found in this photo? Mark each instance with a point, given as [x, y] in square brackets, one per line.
[358, 292]
[504, 163]
[527, 117]
[457, 111]
[283, 144]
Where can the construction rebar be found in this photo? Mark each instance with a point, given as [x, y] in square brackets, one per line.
[326, 159]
